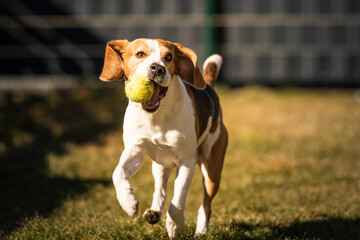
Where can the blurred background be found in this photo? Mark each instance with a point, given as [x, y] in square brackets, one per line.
[54, 43]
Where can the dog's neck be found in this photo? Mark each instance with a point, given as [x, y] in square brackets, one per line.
[174, 98]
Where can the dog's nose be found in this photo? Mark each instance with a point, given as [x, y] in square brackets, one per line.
[157, 70]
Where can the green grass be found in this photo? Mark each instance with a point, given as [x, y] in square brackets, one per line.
[292, 170]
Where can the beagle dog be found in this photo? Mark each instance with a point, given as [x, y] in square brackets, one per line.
[179, 127]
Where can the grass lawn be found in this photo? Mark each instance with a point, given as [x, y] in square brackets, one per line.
[292, 169]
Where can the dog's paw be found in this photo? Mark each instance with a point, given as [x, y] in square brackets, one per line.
[200, 230]
[130, 204]
[202, 225]
[152, 216]
[173, 228]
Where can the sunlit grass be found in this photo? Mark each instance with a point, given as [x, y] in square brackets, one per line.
[292, 171]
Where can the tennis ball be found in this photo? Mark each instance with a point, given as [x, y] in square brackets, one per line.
[139, 88]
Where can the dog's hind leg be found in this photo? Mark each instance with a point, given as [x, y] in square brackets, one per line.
[211, 168]
[161, 175]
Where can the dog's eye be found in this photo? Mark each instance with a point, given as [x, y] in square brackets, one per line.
[140, 54]
[168, 57]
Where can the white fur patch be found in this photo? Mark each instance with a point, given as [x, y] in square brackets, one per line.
[154, 57]
[205, 133]
[124, 192]
[210, 141]
[202, 224]
[217, 59]
[161, 176]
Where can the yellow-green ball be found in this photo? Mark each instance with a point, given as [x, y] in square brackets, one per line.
[139, 88]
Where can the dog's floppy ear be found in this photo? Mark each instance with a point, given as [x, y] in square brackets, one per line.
[114, 63]
[187, 68]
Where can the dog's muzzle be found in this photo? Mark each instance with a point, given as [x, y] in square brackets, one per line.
[154, 103]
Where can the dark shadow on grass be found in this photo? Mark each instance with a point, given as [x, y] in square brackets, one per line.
[333, 228]
[32, 126]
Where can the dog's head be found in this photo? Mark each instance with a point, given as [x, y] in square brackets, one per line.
[159, 60]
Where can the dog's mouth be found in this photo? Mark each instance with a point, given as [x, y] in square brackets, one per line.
[154, 103]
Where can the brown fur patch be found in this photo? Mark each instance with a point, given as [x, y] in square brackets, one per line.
[206, 104]
[215, 163]
[113, 68]
[210, 73]
[187, 68]
[151, 216]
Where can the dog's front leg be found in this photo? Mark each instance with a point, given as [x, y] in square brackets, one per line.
[161, 175]
[175, 222]
[130, 162]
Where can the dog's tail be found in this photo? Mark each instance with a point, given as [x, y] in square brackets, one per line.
[211, 69]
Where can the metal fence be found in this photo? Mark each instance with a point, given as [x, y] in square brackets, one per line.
[308, 42]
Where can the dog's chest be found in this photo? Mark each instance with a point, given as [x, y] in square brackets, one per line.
[169, 141]
[168, 148]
